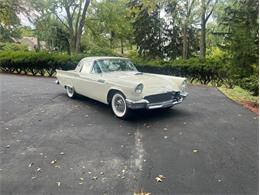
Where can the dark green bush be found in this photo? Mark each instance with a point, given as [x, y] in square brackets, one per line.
[36, 62]
[209, 71]
[251, 84]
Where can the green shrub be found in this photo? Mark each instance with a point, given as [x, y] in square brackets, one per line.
[251, 82]
[36, 62]
[204, 71]
[13, 47]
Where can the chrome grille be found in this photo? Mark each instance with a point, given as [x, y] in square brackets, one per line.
[159, 97]
[163, 97]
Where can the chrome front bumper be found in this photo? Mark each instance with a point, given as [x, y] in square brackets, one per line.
[145, 104]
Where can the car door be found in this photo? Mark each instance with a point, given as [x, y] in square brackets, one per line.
[91, 83]
[98, 83]
[82, 83]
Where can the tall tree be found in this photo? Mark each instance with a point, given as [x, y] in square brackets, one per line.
[207, 8]
[72, 14]
[242, 34]
[9, 20]
[186, 12]
[148, 28]
[109, 18]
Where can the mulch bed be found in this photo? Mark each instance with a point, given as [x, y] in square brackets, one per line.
[252, 106]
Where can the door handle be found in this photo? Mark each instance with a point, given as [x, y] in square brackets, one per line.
[101, 81]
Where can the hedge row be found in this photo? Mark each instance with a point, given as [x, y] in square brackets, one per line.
[42, 63]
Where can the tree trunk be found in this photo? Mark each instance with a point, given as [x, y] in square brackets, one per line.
[203, 41]
[78, 39]
[185, 43]
[122, 46]
[81, 25]
[203, 32]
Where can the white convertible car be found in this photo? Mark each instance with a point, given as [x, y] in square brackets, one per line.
[116, 81]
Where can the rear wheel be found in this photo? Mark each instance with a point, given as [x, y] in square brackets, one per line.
[71, 92]
[118, 105]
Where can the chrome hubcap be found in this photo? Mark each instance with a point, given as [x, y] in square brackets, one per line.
[70, 90]
[119, 104]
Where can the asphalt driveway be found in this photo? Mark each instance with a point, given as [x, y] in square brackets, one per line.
[51, 144]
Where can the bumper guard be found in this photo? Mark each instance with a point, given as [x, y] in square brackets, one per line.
[145, 104]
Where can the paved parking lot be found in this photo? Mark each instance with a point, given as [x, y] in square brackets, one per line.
[51, 144]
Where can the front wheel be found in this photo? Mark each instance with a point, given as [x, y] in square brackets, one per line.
[119, 107]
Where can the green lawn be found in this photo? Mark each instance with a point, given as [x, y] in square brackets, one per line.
[239, 95]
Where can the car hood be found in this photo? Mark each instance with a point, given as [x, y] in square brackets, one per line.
[152, 83]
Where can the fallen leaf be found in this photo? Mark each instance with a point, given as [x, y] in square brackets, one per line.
[101, 173]
[62, 153]
[94, 178]
[158, 179]
[123, 171]
[89, 172]
[83, 167]
[162, 177]
[53, 161]
[39, 169]
[195, 151]
[165, 137]
[8, 146]
[219, 180]
[80, 183]
[30, 164]
[165, 128]
[33, 178]
[81, 178]
[41, 154]
[142, 193]
[58, 183]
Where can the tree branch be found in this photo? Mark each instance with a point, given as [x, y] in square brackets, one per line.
[61, 20]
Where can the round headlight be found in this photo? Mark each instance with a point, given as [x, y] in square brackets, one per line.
[139, 88]
[183, 85]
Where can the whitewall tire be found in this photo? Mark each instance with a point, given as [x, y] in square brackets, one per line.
[119, 106]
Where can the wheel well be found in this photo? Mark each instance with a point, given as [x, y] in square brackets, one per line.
[111, 93]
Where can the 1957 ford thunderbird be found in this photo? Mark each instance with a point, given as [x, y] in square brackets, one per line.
[116, 81]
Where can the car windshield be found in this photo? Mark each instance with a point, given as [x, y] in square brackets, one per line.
[111, 65]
